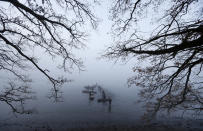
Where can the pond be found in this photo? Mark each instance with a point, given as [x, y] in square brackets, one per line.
[75, 107]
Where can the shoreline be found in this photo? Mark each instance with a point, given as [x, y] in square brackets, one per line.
[144, 127]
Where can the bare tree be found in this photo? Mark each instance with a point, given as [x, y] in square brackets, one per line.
[170, 55]
[16, 96]
[54, 26]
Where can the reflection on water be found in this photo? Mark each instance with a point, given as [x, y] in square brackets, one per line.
[72, 106]
[104, 98]
[56, 94]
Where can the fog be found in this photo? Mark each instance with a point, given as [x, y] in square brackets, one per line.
[74, 108]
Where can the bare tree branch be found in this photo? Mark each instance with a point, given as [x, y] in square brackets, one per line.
[171, 61]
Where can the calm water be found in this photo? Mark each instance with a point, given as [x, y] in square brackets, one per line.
[75, 109]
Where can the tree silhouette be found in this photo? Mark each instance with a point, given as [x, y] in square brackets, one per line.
[16, 96]
[170, 51]
[56, 27]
